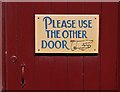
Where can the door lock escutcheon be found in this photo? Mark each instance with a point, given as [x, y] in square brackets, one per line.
[13, 59]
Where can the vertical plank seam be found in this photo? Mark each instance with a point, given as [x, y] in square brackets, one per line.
[117, 70]
[100, 28]
[5, 58]
[83, 56]
[51, 65]
[16, 28]
[33, 19]
[67, 58]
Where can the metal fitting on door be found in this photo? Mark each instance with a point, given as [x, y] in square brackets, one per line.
[13, 59]
[23, 83]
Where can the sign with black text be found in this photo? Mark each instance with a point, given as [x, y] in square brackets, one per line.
[60, 33]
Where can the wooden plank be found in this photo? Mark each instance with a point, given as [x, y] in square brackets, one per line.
[75, 73]
[108, 46]
[11, 46]
[25, 43]
[42, 66]
[59, 65]
[3, 47]
[75, 63]
[92, 63]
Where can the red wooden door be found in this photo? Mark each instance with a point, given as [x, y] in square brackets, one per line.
[79, 72]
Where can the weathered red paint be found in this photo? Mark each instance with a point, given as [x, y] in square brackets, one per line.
[59, 72]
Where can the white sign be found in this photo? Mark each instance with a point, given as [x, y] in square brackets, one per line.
[66, 33]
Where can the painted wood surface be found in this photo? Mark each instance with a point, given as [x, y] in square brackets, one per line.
[60, 72]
